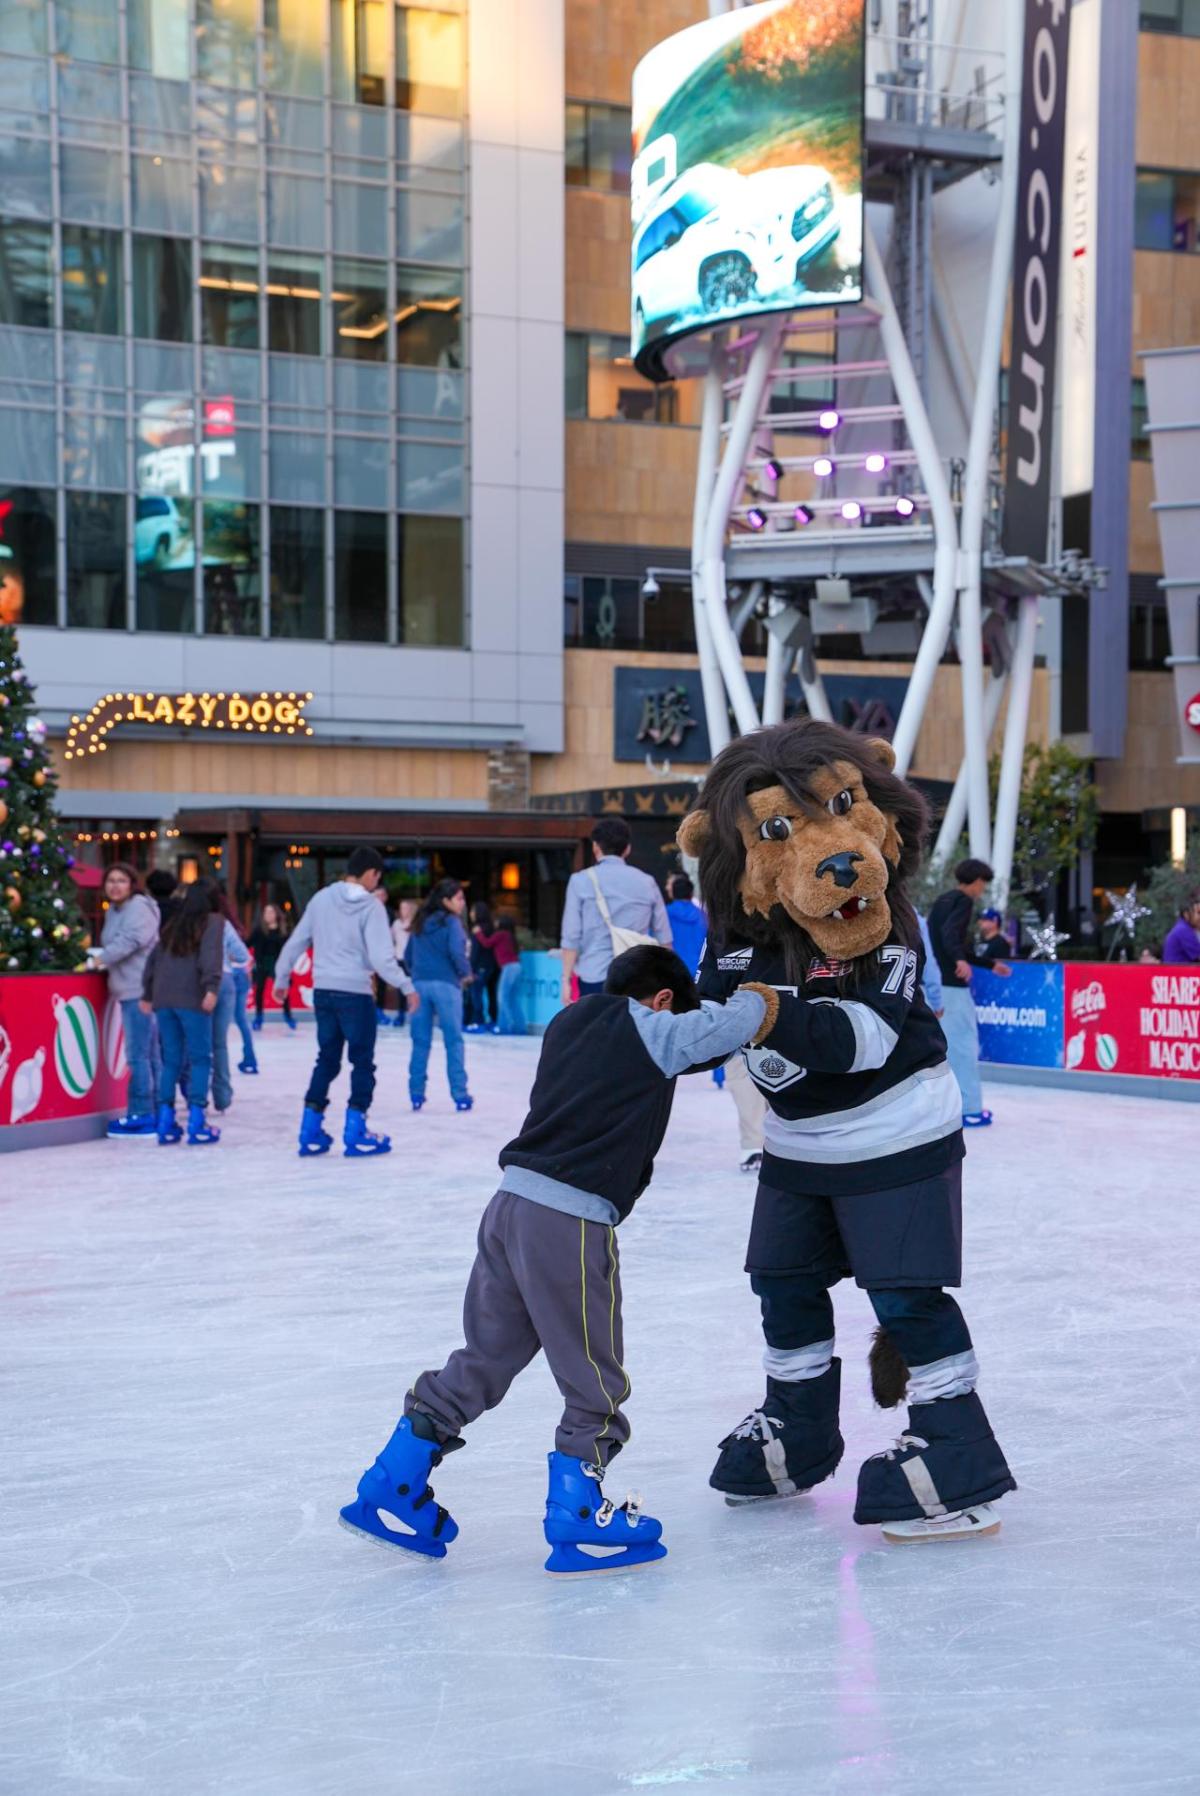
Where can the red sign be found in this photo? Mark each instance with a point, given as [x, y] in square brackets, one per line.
[300, 992]
[62, 1047]
[1191, 713]
[1140, 1019]
[220, 417]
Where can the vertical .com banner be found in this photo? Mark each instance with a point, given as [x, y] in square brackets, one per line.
[1032, 363]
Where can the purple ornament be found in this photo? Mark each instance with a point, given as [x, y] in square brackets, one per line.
[8, 847]
[70, 860]
[36, 849]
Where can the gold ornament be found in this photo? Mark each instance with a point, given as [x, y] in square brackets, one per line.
[12, 898]
[3, 811]
[39, 778]
[39, 835]
[23, 830]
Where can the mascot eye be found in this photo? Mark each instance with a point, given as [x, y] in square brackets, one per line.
[838, 807]
[775, 829]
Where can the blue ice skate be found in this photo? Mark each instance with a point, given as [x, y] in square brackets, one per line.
[132, 1128]
[589, 1534]
[395, 1504]
[168, 1129]
[199, 1131]
[466, 1103]
[357, 1139]
[314, 1137]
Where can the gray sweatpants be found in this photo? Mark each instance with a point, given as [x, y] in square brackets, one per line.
[540, 1279]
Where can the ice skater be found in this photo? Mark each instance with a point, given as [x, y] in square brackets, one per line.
[547, 1273]
[806, 841]
[180, 982]
[348, 934]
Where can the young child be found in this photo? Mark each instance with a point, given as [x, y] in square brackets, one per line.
[180, 983]
[547, 1274]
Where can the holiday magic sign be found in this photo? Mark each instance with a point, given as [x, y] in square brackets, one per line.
[250, 713]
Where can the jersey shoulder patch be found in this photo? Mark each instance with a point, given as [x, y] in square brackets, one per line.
[771, 1070]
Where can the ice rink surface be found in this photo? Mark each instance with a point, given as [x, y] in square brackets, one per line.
[200, 1349]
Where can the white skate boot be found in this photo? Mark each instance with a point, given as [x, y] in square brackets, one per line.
[961, 1524]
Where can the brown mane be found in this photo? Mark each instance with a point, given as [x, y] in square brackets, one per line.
[790, 755]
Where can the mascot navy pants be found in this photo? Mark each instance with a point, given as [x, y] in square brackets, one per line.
[900, 1245]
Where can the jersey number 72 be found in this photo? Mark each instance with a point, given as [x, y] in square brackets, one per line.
[902, 971]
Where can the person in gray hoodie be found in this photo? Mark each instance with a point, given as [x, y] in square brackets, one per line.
[348, 934]
[127, 939]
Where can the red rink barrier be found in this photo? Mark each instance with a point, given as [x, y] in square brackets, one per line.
[62, 1056]
[1143, 1020]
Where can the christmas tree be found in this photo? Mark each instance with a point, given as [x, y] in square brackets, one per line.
[40, 925]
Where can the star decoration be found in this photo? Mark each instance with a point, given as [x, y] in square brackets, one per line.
[1045, 938]
[1125, 911]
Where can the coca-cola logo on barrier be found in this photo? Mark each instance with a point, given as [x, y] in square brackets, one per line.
[1191, 713]
[1088, 1002]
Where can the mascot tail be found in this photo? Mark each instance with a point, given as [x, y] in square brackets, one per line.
[889, 1373]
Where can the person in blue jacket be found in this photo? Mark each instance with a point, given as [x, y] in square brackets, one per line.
[689, 925]
[438, 963]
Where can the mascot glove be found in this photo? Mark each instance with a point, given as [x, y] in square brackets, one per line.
[770, 998]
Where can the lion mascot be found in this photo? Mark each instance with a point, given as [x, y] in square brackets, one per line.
[805, 839]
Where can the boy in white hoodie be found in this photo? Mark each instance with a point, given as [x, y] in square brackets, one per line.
[347, 932]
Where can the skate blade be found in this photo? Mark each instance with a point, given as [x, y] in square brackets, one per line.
[404, 1542]
[576, 1564]
[968, 1533]
[733, 1501]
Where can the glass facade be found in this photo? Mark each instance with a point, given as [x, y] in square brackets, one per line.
[232, 344]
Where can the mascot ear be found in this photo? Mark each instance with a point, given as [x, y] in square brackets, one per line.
[693, 833]
[881, 751]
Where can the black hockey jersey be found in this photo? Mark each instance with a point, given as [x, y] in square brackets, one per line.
[860, 1093]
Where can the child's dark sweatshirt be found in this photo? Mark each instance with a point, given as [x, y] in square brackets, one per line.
[601, 1100]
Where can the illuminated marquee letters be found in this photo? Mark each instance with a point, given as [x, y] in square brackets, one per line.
[256, 713]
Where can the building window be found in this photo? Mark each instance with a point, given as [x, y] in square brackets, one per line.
[599, 146]
[359, 302]
[159, 37]
[164, 553]
[162, 289]
[229, 296]
[225, 42]
[1139, 441]
[27, 534]
[95, 561]
[26, 292]
[294, 304]
[428, 317]
[295, 32]
[429, 62]
[297, 572]
[232, 569]
[1167, 210]
[86, 30]
[360, 50]
[24, 24]
[804, 393]
[430, 581]
[1179, 17]
[608, 611]
[1149, 635]
[601, 382]
[360, 576]
[91, 280]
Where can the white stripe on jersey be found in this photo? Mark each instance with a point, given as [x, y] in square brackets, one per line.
[926, 1107]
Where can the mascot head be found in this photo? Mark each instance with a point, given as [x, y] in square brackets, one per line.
[805, 838]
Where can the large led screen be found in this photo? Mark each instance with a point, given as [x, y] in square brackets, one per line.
[747, 173]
